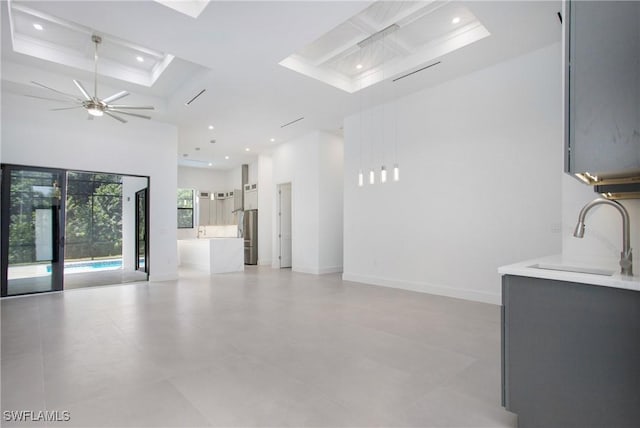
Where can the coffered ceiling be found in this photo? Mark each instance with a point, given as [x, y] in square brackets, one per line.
[233, 50]
[386, 40]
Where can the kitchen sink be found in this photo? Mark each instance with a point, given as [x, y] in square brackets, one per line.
[564, 268]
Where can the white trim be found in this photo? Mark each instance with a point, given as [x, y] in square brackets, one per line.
[305, 269]
[329, 269]
[424, 287]
[317, 270]
[161, 278]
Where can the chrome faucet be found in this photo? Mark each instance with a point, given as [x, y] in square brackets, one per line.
[626, 263]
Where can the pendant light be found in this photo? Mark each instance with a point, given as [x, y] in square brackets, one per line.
[360, 173]
[396, 168]
[383, 169]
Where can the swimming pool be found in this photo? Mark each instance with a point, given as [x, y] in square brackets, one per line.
[90, 266]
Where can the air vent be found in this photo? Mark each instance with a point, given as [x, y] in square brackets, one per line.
[195, 97]
[292, 122]
[416, 71]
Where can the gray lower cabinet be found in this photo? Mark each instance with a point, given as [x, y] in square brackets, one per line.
[570, 354]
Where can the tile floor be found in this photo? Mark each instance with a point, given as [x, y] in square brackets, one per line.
[260, 348]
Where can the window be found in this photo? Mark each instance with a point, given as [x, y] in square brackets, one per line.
[94, 215]
[185, 208]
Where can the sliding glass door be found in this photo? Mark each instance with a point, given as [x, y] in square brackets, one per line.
[32, 219]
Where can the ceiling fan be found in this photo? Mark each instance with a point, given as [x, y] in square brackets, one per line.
[95, 106]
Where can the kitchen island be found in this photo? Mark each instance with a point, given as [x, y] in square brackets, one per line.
[212, 255]
[570, 344]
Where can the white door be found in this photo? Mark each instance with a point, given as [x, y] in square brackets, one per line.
[284, 224]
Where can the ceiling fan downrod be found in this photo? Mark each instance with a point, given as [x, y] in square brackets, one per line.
[96, 40]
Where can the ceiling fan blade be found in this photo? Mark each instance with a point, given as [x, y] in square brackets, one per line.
[73, 97]
[48, 99]
[65, 108]
[82, 89]
[115, 117]
[127, 113]
[114, 97]
[121, 106]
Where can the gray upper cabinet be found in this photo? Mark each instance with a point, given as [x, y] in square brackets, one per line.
[602, 105]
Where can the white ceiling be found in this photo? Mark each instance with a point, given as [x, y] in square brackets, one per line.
[386, 41]
[232, 49]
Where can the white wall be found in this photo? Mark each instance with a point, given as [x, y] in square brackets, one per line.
[481, 164]
[202, 179]
[315, 229]
[265, 209]
[330, 180]
[32, 135]
[130, 185]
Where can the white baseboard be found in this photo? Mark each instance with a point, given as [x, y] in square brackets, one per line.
[424, 287]
[163, 277]
[316, 270]
[329, 269]
[264, 262]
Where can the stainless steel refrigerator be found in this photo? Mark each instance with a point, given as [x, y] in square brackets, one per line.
[250, 222]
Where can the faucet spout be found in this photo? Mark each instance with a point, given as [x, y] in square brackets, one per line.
[626, 263]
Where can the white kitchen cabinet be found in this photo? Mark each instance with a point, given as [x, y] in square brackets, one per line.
[250, 197]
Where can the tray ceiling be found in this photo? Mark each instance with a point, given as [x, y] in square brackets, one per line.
[47, 37]
[386, 40]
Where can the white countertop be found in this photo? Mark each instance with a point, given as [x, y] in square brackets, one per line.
[616, 280]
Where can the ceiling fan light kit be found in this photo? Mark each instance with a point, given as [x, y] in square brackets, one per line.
[95, 106]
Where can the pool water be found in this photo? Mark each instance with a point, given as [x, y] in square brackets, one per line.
[90, 266]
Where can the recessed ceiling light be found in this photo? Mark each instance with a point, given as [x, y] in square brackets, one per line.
[38, 27]
[210, 126]
[359, 66]
[226, 157]
[455, 20]
[210, 164]
[272, 140]
[247, 149]
[140, 59]
[184, 155]
[197, 149]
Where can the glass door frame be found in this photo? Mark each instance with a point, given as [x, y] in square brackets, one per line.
[143, 193]
[57, 262]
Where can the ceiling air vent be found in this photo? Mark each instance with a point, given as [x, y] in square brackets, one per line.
[292, 122]
[416, 71]
[194, 97]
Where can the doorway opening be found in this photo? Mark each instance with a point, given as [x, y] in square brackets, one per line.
[285, 257]
[101, 229]
[65, 229]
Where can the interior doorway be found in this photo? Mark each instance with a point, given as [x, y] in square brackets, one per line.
[102, 226]
[284, 226]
